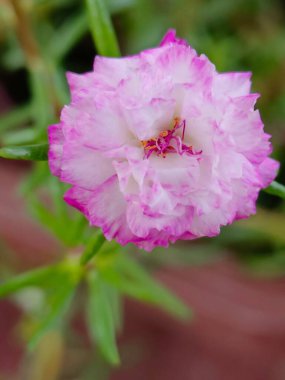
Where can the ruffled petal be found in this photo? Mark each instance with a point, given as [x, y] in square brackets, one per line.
[84, 167]
[170, 38]
[111, 130]
[232, 85]
[268, 170]
[160, 147]
[103, 209]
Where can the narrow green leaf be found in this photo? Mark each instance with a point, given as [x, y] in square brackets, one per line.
[36, 178]
[100, 319]
[37, 152]
[13, 57]
[58, 305]
[92, 247]
[115, 300]
[59, 289]
[50, 219]
[70, 33]
[102, 29]
[31, 278]
[130, 278]
[163, 296]
[78, 228]
[44, 97]
[116, 6]
[277, 189]
[60, 83]
[44, 7]
[19, 137]
[16, 117]
[267, 265]
[57, 190]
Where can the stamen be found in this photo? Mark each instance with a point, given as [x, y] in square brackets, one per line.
[163, 144]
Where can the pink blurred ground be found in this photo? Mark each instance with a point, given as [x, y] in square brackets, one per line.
[238, 332]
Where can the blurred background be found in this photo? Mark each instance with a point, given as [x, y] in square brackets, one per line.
[234, 283]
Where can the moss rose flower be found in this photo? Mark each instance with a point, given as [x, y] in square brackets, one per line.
[160, 147]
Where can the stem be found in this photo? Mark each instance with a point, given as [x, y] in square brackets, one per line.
[37, 64]
[26, 36]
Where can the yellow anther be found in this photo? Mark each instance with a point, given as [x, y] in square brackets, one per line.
[163, 133]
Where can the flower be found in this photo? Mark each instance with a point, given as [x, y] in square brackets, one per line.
[159, 146]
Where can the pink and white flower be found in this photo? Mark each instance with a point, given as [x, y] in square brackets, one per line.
[160, 147]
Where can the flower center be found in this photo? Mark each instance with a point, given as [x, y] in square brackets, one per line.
[168, 141]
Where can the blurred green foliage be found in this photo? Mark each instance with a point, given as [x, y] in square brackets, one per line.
[36, 38]
[48, 37]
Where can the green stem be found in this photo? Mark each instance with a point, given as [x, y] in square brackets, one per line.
[25, 35]
[43, 87]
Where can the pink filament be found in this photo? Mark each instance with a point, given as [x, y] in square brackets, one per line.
[168, 142]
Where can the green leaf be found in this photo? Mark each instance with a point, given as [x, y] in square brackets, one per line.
[116, 6]
[102, 29]
[13, 58]
[16, 117]
[57, 190]
[277, 189]
[92, 247]
[45, 97]
[115, 300]
[37, 152]
[78, 228]
[58, 225]
[101, 322]
[58, 306]
[70, 33]
[130, 278]
[60, 83]
[41, 101]
[31, 278]
[267, 265]
[43, 7]
[36, 179]
[19, 137]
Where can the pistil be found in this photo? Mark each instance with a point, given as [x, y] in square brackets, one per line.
[169, 142]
